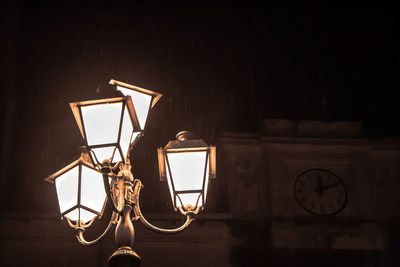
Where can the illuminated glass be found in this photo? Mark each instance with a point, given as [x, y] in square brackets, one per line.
[73, 215]
[134, 136]
[185, 172]
[103, 153]
[187, 169]
[101, 122]
[141, 102]
[189, 199]
[107, 124]
[93, 194]
[80, 190]
[171, 189]
[187, 164]
[67, 189]
[82, 214]
[86, 216]
[126, 133]
[206, 181]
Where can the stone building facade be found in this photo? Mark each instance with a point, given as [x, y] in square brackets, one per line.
[253, 217]
[262, 170]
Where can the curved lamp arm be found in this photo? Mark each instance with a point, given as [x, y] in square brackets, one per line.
[117, 209]
[139, 215]
[110, 226]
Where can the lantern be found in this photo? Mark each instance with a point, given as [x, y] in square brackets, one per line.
[107, 125]
[80, 190]
[143, 100]
[187, 164]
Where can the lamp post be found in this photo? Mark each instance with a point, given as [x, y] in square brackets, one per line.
[110, 128]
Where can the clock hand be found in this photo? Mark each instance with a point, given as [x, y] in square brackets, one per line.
[319, 189]
[330, 186]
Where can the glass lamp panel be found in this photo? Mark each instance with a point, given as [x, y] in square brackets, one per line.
[93, 194]
[83, 214]
[73, 215]
[126, 133]
[207, 179]
[171, 189]
[86, 216]
[134, 136]
[187, 169]
[141, 102]
[103, 153]
[189, 199]
[101, 122]
[67, 189]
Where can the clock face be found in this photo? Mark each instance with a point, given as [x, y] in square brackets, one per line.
[319, 191]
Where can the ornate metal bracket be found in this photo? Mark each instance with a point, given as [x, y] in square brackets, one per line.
[123, 196]
[117, 186]
[113, 221]
[139, 215]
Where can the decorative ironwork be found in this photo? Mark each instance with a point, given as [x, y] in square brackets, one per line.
[121, 188]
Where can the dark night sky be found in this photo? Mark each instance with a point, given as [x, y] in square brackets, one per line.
[221, 67]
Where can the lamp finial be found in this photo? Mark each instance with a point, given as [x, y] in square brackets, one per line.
[184, 135]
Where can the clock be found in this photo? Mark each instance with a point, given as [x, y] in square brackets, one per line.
[320, 192]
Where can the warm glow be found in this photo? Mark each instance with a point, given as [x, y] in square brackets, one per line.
[141, 102]
[108, 126]
[80, 190]
[189, 199]
[86, 216]
[134, 136]
[126, 133]
[171, 189]
[81, 214]
[67, 189]
[93, 194]
[206, 182]
[187, 171]
[73, 215]
[103, 153]
[101, 122]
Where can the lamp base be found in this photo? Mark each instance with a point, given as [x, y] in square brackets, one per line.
[124, 256]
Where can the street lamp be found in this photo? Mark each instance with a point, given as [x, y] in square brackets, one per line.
[143, 99]
[80, 190]
[107, 126]
[110, 128]
[187, 164]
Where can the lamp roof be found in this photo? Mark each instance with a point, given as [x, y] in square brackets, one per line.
[84, 159]
[155, 96]
[75, 110]
[185, 141]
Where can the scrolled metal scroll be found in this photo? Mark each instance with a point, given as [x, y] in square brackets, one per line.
[110, 226]
[120, 204]
[139, 215]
